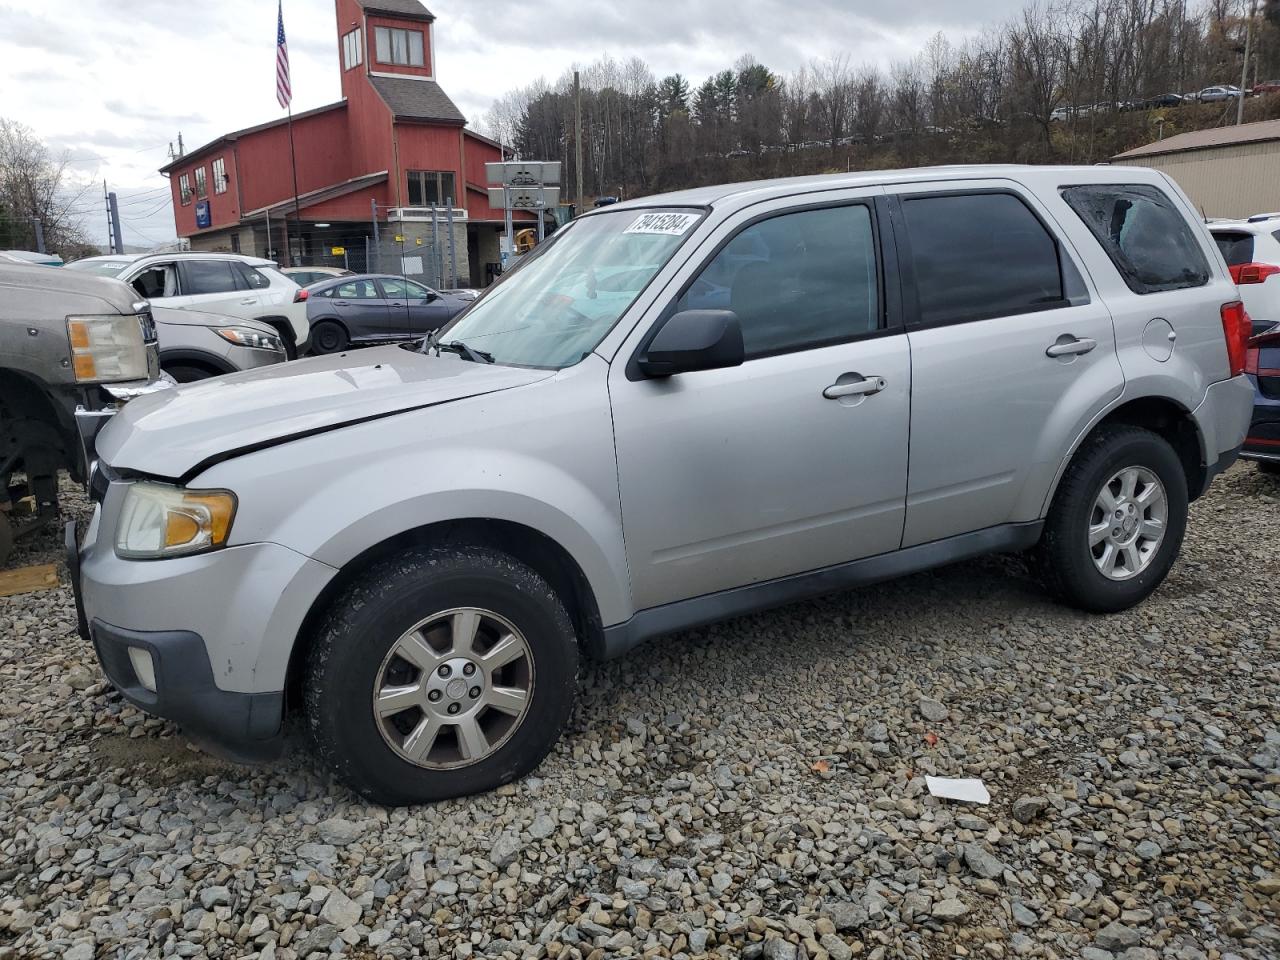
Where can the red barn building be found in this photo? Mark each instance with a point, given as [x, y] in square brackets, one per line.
[393, 146]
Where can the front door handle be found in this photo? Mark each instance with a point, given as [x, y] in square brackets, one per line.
[1069, 346]
[248, 301]
[858, 388]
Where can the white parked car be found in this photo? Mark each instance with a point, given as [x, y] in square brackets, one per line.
[1252, 251]
[227, 283]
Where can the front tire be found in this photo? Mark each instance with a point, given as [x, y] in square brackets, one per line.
[442, 672]
[1117, 521]
[328, 336]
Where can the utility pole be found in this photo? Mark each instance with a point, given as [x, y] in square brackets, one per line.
[111, 234]
[182, 151]
[39, 225]
[453, 251]
[1244, 73]
[113, 209]
[577, 138]
[377, 247]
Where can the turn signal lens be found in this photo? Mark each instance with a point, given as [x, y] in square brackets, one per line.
[158, 520]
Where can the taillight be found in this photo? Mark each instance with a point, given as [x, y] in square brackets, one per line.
[1253, 272]
[301, 295]
[1268, 338]
[1236, 328]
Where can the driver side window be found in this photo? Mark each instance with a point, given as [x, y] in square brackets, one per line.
[796, 281]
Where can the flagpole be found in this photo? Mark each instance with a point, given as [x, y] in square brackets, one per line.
[297, 209]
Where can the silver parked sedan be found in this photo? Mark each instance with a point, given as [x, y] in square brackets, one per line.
[194, 345]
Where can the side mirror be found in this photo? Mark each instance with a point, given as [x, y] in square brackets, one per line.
[432, 295]
[694, 340]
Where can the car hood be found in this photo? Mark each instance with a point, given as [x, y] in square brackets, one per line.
[197, 318]
[176, 432]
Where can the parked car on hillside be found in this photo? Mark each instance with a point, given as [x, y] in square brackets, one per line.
[249, 288]
[305, 276]
[1251, 249]
[71, 349]
[1161, 101]
[1219, 93]
[375, 308]
[195, 345]
[1266, 86]
[571, 468]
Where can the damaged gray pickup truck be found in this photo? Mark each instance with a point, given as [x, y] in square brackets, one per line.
[72, 348]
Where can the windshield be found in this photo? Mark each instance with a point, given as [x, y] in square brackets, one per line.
[559, 304]
[106, 268]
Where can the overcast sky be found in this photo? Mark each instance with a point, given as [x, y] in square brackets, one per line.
[114, 81]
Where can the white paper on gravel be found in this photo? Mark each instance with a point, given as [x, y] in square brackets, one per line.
[968, 789]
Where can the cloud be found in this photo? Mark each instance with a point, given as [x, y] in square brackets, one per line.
[114, 82]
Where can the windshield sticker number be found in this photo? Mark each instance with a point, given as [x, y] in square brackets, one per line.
[667, 224]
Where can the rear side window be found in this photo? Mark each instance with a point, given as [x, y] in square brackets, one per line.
[1236, 247]
[208, 276]
[252, 278]
[796, 281]
[1145, 236]
[978, 256]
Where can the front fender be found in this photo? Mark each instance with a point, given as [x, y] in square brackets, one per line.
[539, 455]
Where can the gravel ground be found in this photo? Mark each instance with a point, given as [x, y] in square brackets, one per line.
[753, 789]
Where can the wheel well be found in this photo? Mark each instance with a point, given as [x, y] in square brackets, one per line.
[1166, 418]
[196, 361]
[282, 326]
[527, 545]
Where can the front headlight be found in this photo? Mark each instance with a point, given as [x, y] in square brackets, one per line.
[106, 349]
[247, 337]
[159, 520]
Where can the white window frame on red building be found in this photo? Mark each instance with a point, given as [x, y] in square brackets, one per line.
[391, 34]
[184, 190]
[352, 49]
[202, 183]
[219, 175]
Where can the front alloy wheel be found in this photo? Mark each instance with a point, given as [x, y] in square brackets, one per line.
[453, 688]
[442, 671]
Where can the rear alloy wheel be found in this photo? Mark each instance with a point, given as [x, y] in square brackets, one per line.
[328, 337]
[1128, 523]
[1116, 522]
[440, 672]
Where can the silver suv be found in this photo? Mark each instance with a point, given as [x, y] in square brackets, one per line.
[681, 409]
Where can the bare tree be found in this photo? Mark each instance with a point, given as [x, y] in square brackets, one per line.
[833, 85]
[34, 186]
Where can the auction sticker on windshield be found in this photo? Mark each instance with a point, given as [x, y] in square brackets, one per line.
[668, 224]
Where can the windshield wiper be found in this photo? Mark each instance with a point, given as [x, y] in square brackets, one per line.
[469, 353]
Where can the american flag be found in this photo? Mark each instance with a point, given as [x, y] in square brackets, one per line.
[284, 93]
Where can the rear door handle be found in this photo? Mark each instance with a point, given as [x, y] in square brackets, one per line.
[857, 388]
[248, 301]
[1068, 346]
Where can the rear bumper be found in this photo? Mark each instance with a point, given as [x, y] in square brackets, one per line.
[1223, 420]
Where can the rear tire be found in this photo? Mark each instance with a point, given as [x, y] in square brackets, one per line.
[6, 538]
[1269, 468]
[329, 336]
[379, 684]
[1136, 538]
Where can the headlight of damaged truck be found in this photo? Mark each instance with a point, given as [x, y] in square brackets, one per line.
[159, 520]
[107, 349]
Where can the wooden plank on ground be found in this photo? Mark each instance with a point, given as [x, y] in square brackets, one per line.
[43, 576]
